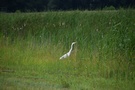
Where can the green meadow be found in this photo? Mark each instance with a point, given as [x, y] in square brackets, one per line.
[103, 57]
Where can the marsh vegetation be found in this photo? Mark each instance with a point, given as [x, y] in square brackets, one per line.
[103, 58]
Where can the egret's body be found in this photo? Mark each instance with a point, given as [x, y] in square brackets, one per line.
[68, 54]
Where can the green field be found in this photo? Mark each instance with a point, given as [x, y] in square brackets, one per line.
[103, 57]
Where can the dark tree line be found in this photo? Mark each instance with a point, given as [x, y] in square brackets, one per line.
[44, 5]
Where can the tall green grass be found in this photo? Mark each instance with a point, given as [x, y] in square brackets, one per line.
[31, 44]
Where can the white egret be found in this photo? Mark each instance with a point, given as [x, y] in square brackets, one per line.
[68, 53]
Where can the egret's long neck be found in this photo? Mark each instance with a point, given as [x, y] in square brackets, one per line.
[71, 48]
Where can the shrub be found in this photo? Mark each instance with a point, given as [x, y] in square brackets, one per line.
[17, 11]
[109, 8]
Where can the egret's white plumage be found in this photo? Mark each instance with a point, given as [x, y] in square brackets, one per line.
[68, 53]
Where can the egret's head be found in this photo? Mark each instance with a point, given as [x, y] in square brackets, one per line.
[73, 42]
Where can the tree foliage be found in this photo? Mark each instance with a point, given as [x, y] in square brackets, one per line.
[43, 5]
